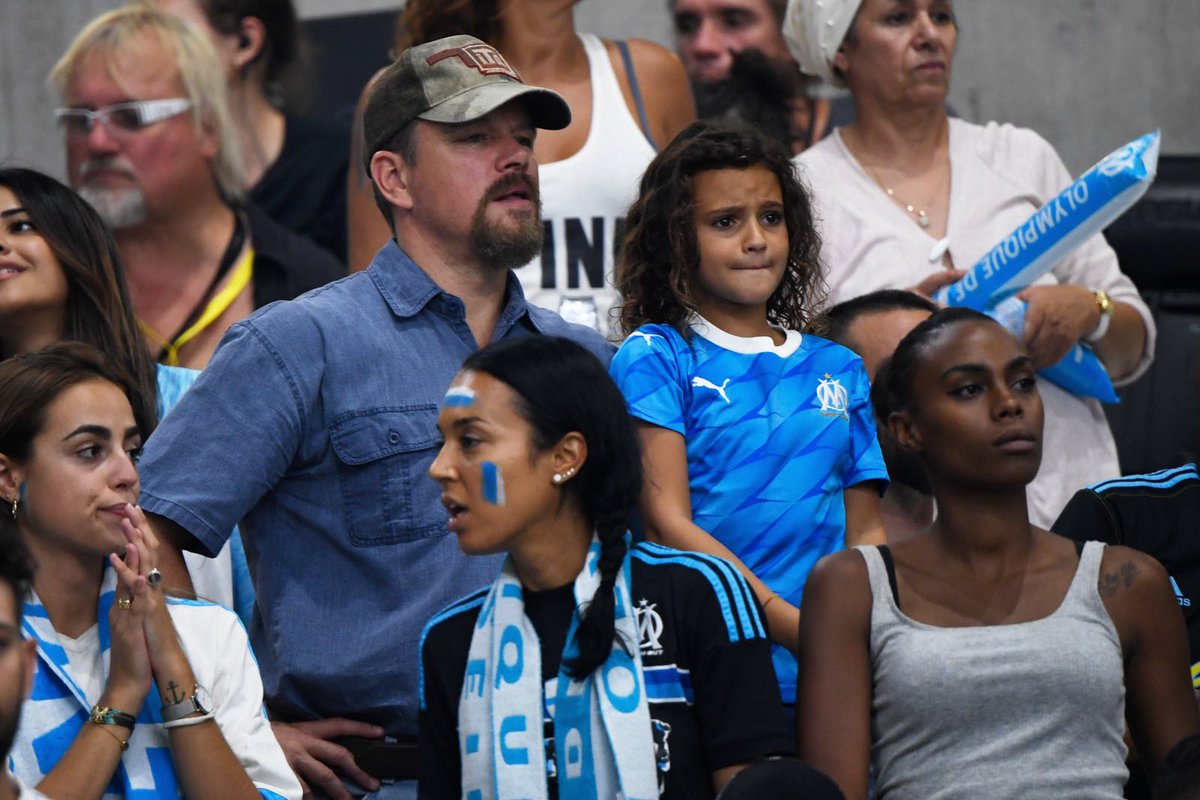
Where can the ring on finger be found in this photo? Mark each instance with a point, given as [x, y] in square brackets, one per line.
[154, 577]
[124, 603]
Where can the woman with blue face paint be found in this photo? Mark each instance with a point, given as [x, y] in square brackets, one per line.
[589, 668]
[137, 693]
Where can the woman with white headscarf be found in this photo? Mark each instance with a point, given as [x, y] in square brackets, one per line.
[909, 197]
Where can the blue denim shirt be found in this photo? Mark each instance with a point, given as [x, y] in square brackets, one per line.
[314, 425]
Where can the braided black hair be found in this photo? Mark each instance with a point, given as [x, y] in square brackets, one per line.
[564, 388]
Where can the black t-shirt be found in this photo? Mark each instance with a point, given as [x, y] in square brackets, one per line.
[714, 700]
[305, 188]
[285, 265]
[1157, 513]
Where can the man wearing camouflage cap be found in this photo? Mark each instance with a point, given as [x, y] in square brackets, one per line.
[314, 424]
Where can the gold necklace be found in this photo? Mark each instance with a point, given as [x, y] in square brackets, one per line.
[922, 216]
[919, 213]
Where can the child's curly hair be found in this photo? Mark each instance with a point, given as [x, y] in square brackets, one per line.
[659, 257]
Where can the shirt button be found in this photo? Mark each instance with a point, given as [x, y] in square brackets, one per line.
[393, 437]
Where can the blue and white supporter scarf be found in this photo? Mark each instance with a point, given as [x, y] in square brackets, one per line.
[603, 742]
[58, 708]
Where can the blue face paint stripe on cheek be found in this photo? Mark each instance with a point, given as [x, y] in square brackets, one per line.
[21, 491]
[493, 484]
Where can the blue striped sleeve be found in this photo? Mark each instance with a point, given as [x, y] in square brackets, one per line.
[1162, 479]
[742, 620]
[468, 603]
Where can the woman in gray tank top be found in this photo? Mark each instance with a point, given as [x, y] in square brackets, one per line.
[985, 657]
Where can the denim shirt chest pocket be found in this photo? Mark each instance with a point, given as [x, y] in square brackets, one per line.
[383, 454]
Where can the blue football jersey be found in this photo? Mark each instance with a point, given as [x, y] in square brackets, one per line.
[774, 433]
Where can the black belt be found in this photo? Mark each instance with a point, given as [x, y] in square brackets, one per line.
[385, 760]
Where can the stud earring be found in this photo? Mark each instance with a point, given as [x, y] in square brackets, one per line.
[558, 478]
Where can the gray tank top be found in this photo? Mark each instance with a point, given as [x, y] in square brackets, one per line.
[1030, 710]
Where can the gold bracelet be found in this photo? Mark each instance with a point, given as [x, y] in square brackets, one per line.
[123, 742]
[768, 602]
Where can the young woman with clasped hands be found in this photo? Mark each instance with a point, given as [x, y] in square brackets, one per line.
[135, 691]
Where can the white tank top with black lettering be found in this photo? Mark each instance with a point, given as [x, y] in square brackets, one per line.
[584, 200]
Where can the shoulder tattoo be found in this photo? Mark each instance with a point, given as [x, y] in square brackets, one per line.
[1124, 576]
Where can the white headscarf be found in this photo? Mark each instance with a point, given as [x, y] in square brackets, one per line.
[814, 30]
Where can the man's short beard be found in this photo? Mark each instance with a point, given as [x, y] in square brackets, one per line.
[119, 208]
[501, 245]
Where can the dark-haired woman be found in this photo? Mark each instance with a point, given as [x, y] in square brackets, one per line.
[61, 279]
[295, 166]
[588, 668]
[986, 657]
[137, 693]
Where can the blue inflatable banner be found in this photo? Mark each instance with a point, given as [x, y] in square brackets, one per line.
[1079, 212]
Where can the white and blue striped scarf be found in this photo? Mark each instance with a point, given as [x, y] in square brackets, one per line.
[56, 711]
[603, 743]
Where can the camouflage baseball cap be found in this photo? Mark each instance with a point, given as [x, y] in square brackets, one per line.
[456, 79]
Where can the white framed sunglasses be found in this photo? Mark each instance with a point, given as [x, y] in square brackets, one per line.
[120, 117]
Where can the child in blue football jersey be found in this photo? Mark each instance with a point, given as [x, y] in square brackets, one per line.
[759, 442]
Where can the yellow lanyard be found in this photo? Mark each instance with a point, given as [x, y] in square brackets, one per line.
[220, 303]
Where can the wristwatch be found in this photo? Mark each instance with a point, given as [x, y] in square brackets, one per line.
[1105, 304]
[199, 701]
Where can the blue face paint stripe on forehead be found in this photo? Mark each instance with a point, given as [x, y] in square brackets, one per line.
[493, 484]
[460, 396]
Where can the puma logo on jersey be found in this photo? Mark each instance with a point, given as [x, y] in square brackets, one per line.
[646, 336]
[705, 383]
